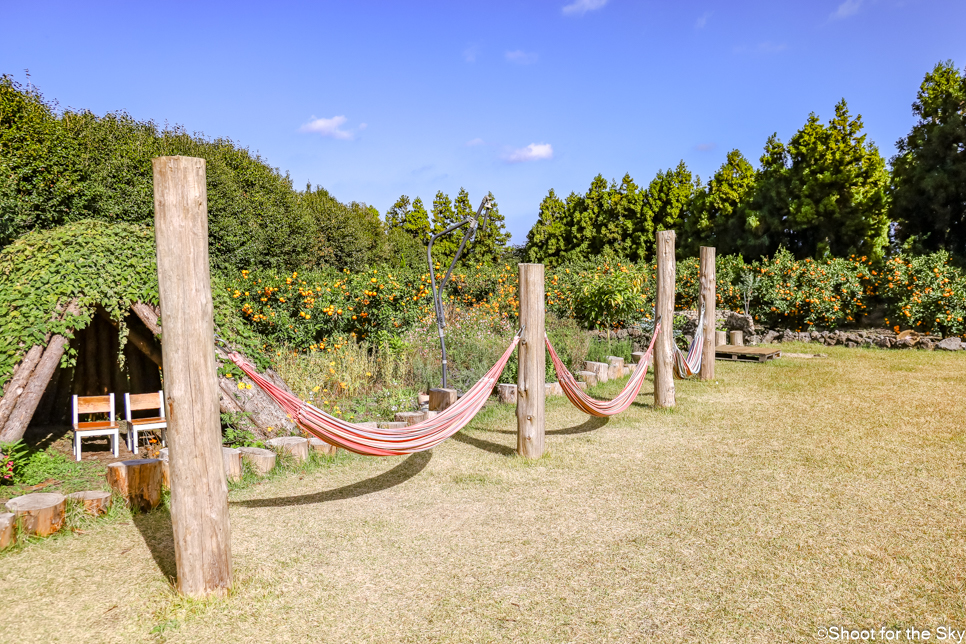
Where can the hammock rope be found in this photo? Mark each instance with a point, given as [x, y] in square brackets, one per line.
[383, 442]
[602, 408]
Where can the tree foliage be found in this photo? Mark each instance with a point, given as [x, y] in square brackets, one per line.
[929, 171]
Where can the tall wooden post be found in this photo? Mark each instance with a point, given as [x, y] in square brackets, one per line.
[531, 375]
[199, 493]
[663, 348]
[708, 297]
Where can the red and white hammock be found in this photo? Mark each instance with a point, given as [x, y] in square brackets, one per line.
[596, 407]
[383, 442]
[689, 365]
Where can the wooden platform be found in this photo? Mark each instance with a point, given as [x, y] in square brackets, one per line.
[746, 354]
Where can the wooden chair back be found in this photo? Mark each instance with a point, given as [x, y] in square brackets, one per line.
[93, 405]
[140, 402]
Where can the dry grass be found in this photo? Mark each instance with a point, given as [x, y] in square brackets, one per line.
[780, 499]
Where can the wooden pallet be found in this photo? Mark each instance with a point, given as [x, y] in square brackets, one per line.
[746, 354]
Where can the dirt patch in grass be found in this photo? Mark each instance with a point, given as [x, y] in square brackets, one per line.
[777, 500]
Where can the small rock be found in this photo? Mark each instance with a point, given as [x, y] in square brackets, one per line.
[770, 337]
[740, 322]
[950, 344]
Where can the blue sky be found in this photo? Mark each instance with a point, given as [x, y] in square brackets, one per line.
[375, 99]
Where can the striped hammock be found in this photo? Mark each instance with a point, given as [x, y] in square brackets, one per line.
[596, 407]
[383, 442]
[687, 365]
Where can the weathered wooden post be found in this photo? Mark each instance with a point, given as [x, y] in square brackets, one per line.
[663, 348]
[710, 301]
[531, 375]
[199, 493]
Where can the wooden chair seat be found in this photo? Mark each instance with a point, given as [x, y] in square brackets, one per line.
[155, 424]
[94, 424]
[148, 421]
[94, 405]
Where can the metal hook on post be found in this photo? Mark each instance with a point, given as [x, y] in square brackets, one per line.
[474, 223]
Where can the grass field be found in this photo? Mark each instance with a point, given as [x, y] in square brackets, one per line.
[781, 499]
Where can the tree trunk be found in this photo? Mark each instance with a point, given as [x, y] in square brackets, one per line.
[21, 376]
[149, 315]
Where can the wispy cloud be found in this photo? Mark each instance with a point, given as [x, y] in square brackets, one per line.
[580, 7]
[769, 47]
[533, 152]
[328, 127]
[476, 141]
[521, 57]
[705, 147]
[702, 20]
[470, 53]
[846, 9]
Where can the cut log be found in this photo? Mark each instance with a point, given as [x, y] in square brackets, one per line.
[27, 402]
[8, 536]
[410, 417]
[321, 447]
[554, 389]
[507, 394]
[588, 377]
[149, 315]
[720, 338]
[371, 424]
[440, 399]
[295, 446]
[615, 367]
[233, 463]
[599, 368]
[138, 481]
[422, 401]
[737, 339]
[392, 425]
[165, 467]
[21, 375]
[582, 386]
[639, 356]
[261, 412]
[261, 460]
[95, 502]
[41, 513]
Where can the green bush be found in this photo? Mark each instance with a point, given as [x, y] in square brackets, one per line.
[924, 292]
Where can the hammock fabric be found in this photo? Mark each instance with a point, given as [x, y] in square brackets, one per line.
[689, 365]
[602, 408]
[383, 442]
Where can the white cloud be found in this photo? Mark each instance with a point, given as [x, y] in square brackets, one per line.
[580, 7]
[702, 20]
[846, 9]
[327, 127]
[705, 147]
[521, 57]
[476, 141]
[533, 152]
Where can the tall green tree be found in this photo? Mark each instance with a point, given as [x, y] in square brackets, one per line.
[492, 237]
[825, 192]
[719, 213]
[416, 224]
[397, 213]
[929, 172]
[444, 216]
[666, 205]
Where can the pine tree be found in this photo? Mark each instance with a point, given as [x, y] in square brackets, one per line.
[719, 214]
[492, 237]
[397, 213]
[444, 216]
[416, 222]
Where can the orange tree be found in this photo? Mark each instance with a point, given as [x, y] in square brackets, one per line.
[924, 292]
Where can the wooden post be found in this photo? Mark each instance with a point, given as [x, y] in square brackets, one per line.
[663, 348]
[531, 354]
[710, 301]
[199, 492]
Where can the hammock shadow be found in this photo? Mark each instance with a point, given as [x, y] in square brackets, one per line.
[397, 475]
[488, 446]
[589, 425]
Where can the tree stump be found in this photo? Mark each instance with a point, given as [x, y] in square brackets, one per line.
[138, 481]
[42, 513]
[370, 424]
[233, 463]
[321, 447]
[165, 467]
[507, 394]
[95, 502]
[440, 399]
[553, 389]
[720, 338]
[737, 339]
[582, 386]
[588, 377]
[599, 368]
[422, 401]
[296, 446]
[8, 535]
[639, 356]
[615, 367]
[410, 417]
[261, 460]
[392, 425]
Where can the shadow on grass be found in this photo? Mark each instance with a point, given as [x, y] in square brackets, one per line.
[399, 474]
[155, 528]
[589, 425]
[487, 446]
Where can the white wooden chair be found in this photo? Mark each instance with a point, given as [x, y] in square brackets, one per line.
[155, 424]
[82, 429]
